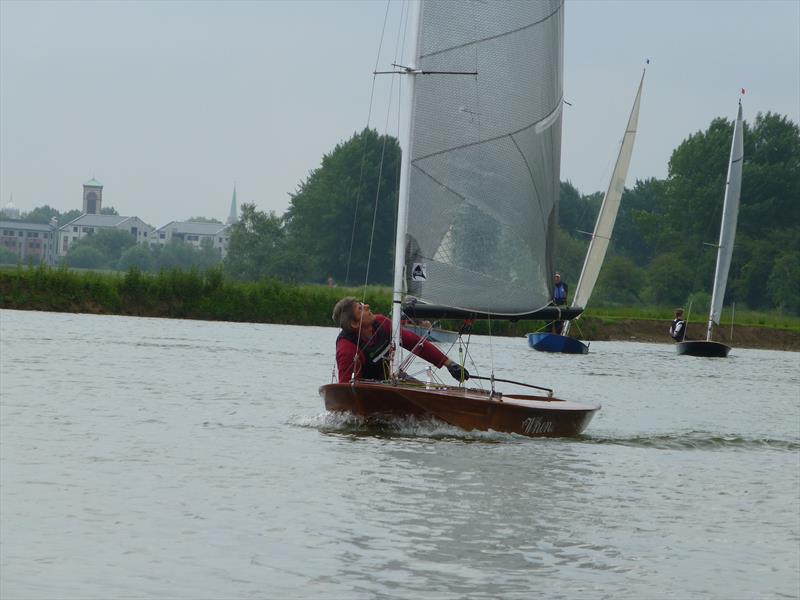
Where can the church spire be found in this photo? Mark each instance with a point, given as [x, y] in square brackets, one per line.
[233, 217]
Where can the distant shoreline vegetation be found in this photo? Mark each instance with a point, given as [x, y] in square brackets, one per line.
[207, 295]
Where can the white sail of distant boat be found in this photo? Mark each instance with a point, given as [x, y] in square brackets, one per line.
[727, 234]
[607, 216]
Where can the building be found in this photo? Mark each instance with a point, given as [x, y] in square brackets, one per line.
[92, 197]
[89, 224]
[31, 242]
[192, 232]
[233, 215]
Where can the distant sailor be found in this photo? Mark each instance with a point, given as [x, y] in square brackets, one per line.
[364, 344]
[559, 299]
[559, 290]
[677, 330]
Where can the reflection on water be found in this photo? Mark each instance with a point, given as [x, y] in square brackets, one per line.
[156, 458]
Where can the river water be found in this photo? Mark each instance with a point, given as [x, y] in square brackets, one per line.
[159, 458]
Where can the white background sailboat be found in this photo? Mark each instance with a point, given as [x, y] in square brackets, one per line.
[598, 245]
[727, 234]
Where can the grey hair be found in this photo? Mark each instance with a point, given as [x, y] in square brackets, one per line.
[343, 313]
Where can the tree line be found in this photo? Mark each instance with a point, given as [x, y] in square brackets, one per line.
[662, 248]
[661, 252]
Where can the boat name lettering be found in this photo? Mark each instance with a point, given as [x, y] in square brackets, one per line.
[536, 425]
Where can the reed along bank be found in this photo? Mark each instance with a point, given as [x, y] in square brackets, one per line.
[209, 296]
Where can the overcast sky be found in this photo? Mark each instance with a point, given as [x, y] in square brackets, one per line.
[169, 103]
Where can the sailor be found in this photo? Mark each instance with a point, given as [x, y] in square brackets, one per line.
[559, 299]
[364, 344]
[677, 330]
[559, 290]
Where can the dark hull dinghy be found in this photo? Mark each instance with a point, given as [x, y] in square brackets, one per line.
[703, 348]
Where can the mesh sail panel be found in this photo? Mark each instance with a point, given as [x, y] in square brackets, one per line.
[485, 155]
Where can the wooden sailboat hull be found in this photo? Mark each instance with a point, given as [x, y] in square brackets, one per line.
[469, 409]
[552, 342]
[703, 348]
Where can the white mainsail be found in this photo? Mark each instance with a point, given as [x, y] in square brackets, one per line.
[483, 156]
[730, 213]
[608, 212]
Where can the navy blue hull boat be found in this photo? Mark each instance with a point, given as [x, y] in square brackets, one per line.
[552, 342]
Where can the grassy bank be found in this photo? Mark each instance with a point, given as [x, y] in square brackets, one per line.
[207, 295]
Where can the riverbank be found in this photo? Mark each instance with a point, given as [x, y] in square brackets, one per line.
[208, 296]
[654, 331]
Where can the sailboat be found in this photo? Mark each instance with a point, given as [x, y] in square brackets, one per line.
[477, 205]
[598, 245]
[727, 234]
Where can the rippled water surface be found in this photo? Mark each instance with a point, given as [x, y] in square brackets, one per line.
[156, 458]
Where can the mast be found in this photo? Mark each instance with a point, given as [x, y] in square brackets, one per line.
[607, 216]
[727, 233]
[415, 14]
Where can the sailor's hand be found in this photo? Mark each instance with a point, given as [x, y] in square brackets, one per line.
[458, 372]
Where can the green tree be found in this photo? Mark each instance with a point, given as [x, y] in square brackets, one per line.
[641, 208]
[108, 210]
[784, 282]
[68, 216]
[204, 220]
[668, 278]
[138, 256]
[111, 243]
[771, 177]
[7, 257]
[41, 214]
[620, 282]
[86, 257]
[257, 248]
[356, 184]
[175, 255]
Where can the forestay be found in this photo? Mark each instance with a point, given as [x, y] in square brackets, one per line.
[485, 155]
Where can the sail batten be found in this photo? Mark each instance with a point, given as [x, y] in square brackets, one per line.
[485, 155]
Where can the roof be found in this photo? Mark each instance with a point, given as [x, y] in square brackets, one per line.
[93, 183]
[194, 228]
[88, 220]
[25, 225]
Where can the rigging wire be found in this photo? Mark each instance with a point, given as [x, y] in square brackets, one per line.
[380, 171]
[361, 182]
[401, 28]
[364, 149]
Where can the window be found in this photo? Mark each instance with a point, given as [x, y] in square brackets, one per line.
[191, 238]
[162, 235]
[74, 229]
